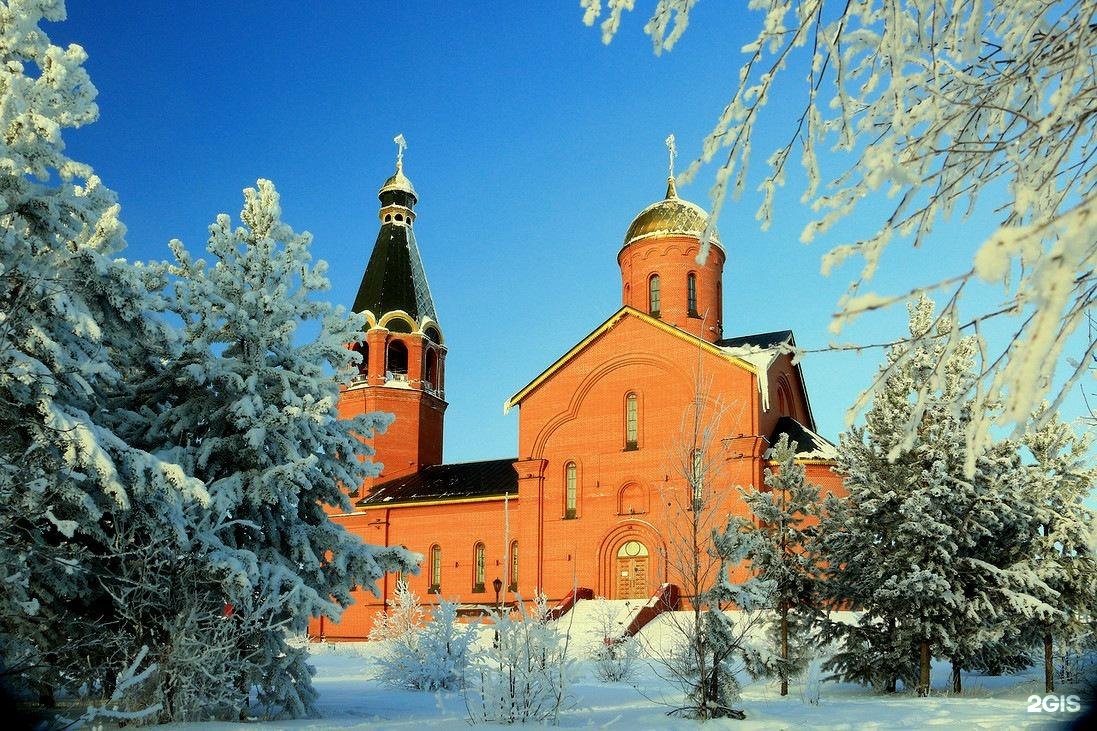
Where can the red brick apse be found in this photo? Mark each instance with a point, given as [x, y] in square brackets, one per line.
[607, 434]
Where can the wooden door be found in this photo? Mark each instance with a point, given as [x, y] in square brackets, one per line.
[632, 571]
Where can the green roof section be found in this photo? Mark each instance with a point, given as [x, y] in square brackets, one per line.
[394, 278]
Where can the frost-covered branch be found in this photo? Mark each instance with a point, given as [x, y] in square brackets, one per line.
[944, 112]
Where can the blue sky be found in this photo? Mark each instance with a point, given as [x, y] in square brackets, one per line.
[531, 144]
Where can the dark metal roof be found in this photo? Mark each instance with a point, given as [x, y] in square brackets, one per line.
[759, 340]
[808, 443]
[447, 482]
[394, 278]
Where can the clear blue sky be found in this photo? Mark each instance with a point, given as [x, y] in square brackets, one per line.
[531, 144]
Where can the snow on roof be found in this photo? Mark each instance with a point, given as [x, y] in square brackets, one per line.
[809, 445]
[760, 351]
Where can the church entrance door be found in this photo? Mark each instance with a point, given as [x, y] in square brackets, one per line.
[632, 571]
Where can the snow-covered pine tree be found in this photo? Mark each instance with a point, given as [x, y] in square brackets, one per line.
[73, 325]
[1058, 483]
[923, 550]
[781, 555]
[250, 407]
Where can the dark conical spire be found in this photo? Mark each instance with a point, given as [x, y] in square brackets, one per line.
[394, 278]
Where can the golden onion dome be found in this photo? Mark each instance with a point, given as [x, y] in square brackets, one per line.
[671, 216]
[399, 182]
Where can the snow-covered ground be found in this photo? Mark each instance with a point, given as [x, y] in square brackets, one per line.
[351, 698]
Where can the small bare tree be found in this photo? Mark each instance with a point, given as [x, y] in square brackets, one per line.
[705, 541]
[615, 652]
[524, 675]
[404, 614]
[420, 655]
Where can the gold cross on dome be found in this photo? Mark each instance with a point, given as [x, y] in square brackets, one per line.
[401, 145]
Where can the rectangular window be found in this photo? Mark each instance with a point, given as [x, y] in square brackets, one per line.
[691, 295]
[654, 297]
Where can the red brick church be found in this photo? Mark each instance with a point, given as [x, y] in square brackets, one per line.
[590, 499]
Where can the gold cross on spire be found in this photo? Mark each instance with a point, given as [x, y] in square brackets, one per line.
[671, 192]
[673, 152]
[401, 145]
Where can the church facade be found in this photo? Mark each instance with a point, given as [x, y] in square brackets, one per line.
[615, 438]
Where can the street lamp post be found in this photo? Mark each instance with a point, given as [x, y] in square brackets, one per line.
[497, 584]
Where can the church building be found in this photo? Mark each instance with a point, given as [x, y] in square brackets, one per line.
[613, 437]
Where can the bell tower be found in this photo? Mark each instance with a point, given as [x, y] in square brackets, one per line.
[402, 371]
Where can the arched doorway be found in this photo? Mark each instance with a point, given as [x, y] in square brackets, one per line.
[633, 569]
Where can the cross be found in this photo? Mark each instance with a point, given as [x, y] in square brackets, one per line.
[673, 152]
[401, 145]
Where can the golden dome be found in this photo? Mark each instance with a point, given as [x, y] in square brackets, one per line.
[399, 181]
[669, 217]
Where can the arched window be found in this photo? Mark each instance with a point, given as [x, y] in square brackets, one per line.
[513, 567]
[632, 499]
[397, 361]
[435, 576]
[691, 295]
[783, 399]
[478, 568]
[570, 490]
[632, 421]
[653, 295]
[432, 369]
[363, 366]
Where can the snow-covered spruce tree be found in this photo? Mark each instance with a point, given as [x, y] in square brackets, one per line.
[996, 593]
[929, 112]
[1061, 554]
[930, 555]
[525, 674]
[249, 407]
[781, 555]
[429, 656]
[73, 325]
